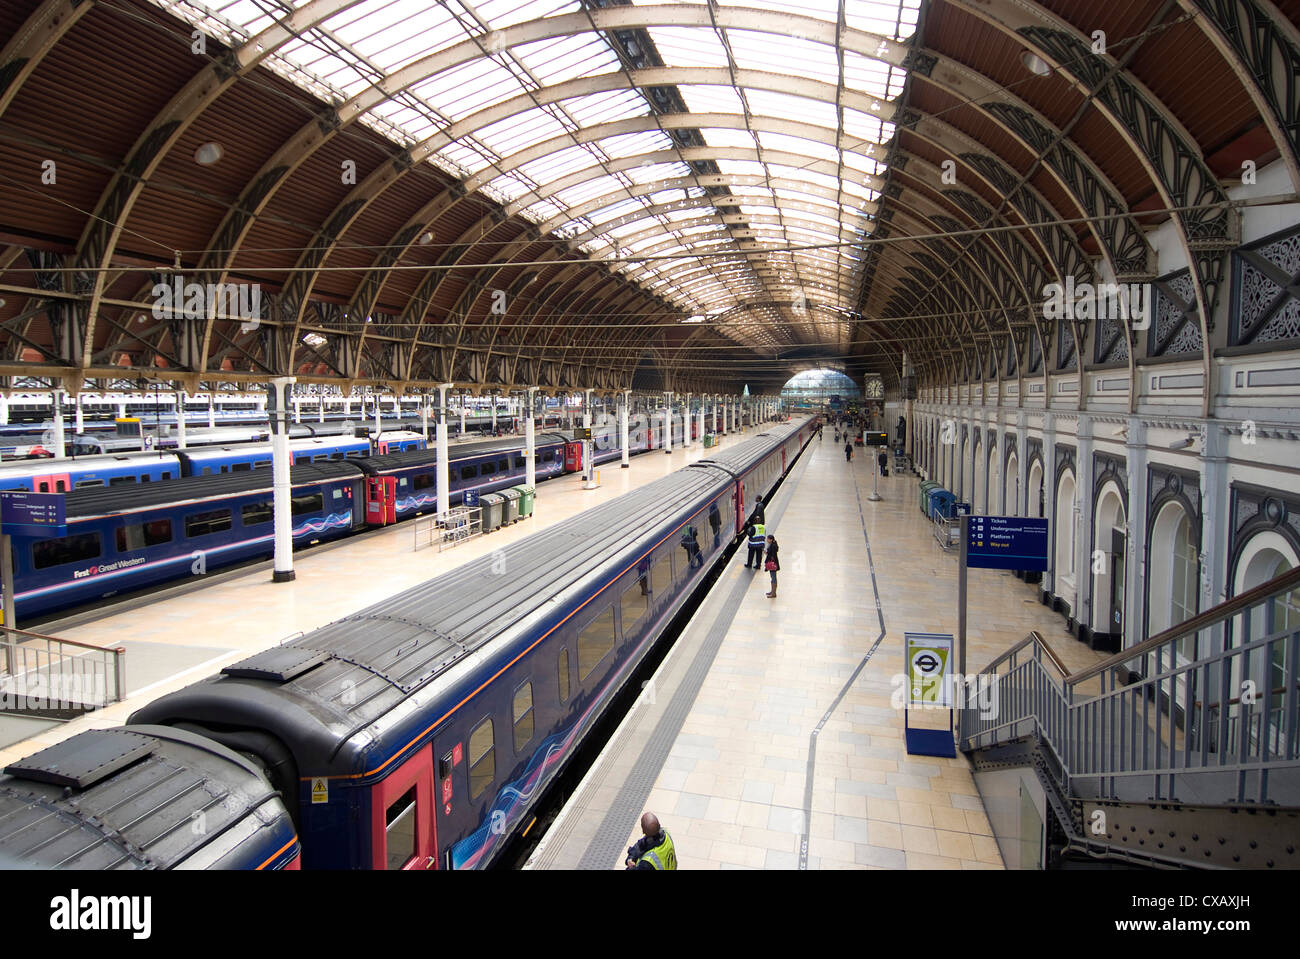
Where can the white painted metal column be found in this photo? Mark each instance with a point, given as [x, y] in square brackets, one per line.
[79, 420]
[320, 407]
[424, 417]
[444, 465]
[57, 396]
[462, 413]
[686, 422]
[297, 408]
[121, 410]
[212, 411]
[379, 422]
[180, 419]
[701, 427]
[530, 439]
[4, 410]
[494, 414]
[668, 422]
[625, 401]
[280, 478]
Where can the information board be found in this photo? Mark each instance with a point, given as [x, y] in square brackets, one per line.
[1006, 542]
[929, 668]
[471, 497]
[32, 514]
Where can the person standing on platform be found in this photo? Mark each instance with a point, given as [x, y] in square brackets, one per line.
[757, 534]
[773, 565]
[759, 513]
[882, 460]
[848, 452]
[654, 850]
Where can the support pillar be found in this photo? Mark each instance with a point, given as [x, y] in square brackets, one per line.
[530, 439]
[180, 419]
[462, 414]
[79, 421]
[494, 414]
[668, 423]
[58, 425]
[212, 411]
[278, 394]
[624, 401]
[379, 421]
[443, 477]
[424, 418]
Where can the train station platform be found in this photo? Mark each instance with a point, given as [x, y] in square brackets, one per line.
[182, 633]
[767, 737]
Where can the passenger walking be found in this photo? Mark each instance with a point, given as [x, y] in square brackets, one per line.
[773, 565]
[882, 460]
[757, 534]
[848, 452]
[654, 850]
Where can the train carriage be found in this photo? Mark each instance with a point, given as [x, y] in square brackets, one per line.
[125, 538]
[420, 732]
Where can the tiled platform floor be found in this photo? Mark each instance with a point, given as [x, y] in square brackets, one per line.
[731, 789]
[235, 614]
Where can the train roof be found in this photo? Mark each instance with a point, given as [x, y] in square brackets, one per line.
[130, 798]
[95, 501]
[736, 459]
[325, 690]
[297, 444]
[456, 451]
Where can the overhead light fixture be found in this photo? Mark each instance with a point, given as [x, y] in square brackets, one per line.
[208, 154]
[426, 238]
[1184, 444]
[1035, 64]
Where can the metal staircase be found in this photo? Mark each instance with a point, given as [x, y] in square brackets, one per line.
[1181, 751]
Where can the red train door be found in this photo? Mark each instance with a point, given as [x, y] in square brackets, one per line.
[381, 500]
[403, 826]
[53, 483]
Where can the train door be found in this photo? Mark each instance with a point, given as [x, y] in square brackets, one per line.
[572, 457]
[357, 500]
[403, 824]
[450, 785]
[53, 483]
[381, 500]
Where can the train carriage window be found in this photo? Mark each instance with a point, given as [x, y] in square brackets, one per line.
[661, 577]
[520, 462]
[422, 481]
[167, 474]
[83, 484]
[242, 467]
[139, 535]
[212, 521]
[254, 513]
[482, 759]
[65, 549]
[562, 666]
[634, 604]
[262, 464]
[354, 455]
[313, 503]
[594, 643]
[124, 480]
[468, 472]
[400, 830]
[503, 466]
[523, 716]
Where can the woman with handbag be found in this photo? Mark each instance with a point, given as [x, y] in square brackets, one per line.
[773, 564]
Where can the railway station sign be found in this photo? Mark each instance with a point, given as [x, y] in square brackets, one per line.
[1006, 542]
[929, 669]
[32, 514]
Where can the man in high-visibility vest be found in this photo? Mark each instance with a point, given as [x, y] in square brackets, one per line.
[654, 850]
[757, 533]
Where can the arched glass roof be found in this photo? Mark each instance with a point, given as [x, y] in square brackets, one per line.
[725, 155]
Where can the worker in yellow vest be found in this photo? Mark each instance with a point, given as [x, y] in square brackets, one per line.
[757, 533]
[654, 850]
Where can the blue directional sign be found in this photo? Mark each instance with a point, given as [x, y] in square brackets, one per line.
[1006, 542]
[32, 514]
[471, 497]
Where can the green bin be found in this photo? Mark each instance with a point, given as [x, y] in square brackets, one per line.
[926, 487]
[526, 496]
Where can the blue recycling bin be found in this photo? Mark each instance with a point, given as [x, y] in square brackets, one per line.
[941, 503]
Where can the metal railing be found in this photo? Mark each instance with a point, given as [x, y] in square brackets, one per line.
[1205, 712]
[445, 530]
[45, 674]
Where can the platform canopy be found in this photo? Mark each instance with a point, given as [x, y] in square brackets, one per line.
[611, 193]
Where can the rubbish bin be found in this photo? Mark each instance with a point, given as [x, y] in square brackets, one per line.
[927, 487]
[493, 506]
[511, 511]
[941, 502]
[526, 497]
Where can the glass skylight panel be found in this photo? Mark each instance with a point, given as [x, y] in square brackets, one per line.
[466, 157]
[465, 89]
[603, 107]
[712, 99]
[598, 186]
[566, 58]
[650, 172]
[797, 145]
[558, 164]
[769, 103]
[634, 144]
[504, 13]
[788, 55]
[723, 137]
[688, 47]
[741, 167]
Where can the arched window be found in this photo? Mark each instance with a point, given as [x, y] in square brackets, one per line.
[1064, 522]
